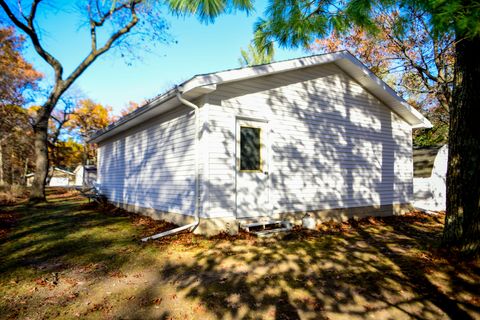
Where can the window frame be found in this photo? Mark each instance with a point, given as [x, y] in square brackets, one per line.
[260, 149]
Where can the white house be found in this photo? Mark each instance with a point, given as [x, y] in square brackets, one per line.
[430, 190]
[319, 135]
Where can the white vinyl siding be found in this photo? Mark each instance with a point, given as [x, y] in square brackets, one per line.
[333, 145]
[152, 166]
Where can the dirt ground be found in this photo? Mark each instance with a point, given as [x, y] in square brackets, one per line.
[68, 259]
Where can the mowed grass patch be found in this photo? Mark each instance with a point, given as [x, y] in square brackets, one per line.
[70, 259]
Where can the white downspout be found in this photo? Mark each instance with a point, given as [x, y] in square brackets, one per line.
[193, 225]
[197, 155]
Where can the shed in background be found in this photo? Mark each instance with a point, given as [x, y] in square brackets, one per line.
[85, 175]
[430, 176]
[56, 178]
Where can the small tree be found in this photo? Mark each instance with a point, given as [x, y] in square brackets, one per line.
[120, 17]
[16, 77]
[16, 138]
[69, 153]
[253, 56]
[88, 118]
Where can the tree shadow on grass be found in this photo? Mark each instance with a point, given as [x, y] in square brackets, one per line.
[382, 268]
[54, 247]
[68, 231]
[369, 270]
[416, 271]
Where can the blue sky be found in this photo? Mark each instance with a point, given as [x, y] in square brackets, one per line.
[200, 48]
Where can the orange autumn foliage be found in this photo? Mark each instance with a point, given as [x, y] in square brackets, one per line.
[410, 58]
[132, 106]
[89, 117]
[16, 74]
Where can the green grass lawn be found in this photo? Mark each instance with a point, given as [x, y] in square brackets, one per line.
[68, 259]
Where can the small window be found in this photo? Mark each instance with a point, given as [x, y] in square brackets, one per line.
[250, 149]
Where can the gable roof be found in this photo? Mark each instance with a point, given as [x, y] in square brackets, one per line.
[54, 169]
[86, 167]
[205, 83]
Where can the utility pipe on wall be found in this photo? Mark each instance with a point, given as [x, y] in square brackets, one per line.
[193, 225]
[197, 154]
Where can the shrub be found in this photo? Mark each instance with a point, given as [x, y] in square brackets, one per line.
[11, 194]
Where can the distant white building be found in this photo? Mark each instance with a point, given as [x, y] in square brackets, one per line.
[320, 135]
[85, 175]
[56, 178]
[429, 183]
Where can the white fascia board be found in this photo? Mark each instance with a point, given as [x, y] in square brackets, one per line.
[261, 70]
[382, 91]
[157, 106]
[131, 119]
[64, 171]
[343, 59]
[206, 83]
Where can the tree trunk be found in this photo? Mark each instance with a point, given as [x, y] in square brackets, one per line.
[12, 168]
[25, 172]
[84, 155]
[2, 182]
[462, 223]
[40, 129]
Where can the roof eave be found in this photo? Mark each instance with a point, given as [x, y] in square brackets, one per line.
[344, 60]
[241, 74]
[202, 84]
[157, 106]
[382, 91]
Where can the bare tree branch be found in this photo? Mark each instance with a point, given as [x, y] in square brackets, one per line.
[32, 34]
[105, 16]
[95, 53]
[33, 12]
